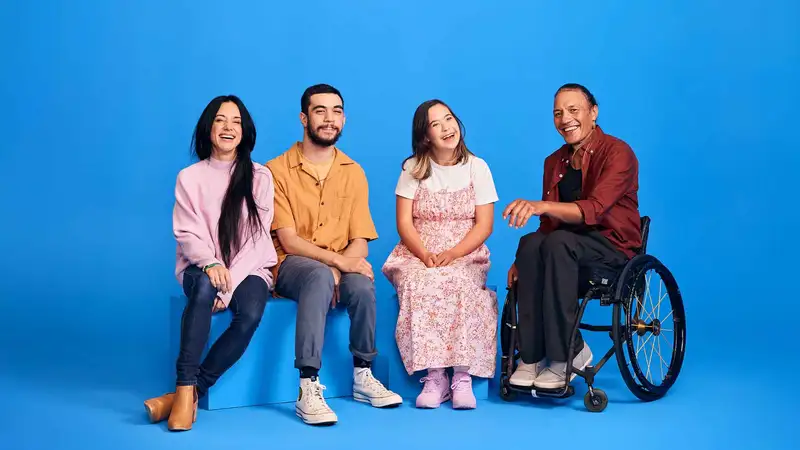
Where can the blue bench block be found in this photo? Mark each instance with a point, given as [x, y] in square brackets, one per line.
[266, 374]
[409, 386]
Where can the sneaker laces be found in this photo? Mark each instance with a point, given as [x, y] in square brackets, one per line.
[372, 383]
[460, 382]
[432, 383]
[315, 398]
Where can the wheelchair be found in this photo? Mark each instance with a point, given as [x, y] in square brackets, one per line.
[629, 291]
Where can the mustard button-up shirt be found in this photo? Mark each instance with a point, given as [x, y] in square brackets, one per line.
[328, 215]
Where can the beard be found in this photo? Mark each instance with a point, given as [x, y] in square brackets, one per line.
[319, 140]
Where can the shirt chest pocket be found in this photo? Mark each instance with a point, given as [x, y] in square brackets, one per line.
[343, 204]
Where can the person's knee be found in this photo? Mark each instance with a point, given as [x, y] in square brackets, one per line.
[529, 246]
[557, 241]
[320, 278]
[250, 318]
[317, 287]
[358, 289]
[251, 302]
[201, 291]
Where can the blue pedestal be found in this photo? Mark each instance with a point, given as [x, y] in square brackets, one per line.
[265, 374]
[409, 386]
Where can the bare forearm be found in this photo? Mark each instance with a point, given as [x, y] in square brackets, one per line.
[357, 248]
[295, 245]
[412, 241]
[474, 239]
[564, 212]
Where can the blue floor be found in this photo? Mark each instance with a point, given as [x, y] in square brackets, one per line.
[741, 408]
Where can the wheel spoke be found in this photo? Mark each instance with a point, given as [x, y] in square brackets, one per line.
[671, 345]
[649, 359]
[661, 358]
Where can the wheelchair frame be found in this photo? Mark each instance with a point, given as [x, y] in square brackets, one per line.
[610, 287]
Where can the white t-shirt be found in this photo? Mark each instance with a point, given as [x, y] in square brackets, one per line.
[451, 178]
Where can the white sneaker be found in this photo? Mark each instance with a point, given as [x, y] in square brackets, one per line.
[367, 389]
[526, 374]
[553, 377]
[311, 406]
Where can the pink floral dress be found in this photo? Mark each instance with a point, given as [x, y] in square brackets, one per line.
[447, 315]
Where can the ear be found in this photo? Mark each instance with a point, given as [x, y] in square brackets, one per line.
[304, 119]
[595, 111]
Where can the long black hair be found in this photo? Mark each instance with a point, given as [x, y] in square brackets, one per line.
[240, 188]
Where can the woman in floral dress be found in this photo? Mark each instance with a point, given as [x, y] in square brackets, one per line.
[445, 209]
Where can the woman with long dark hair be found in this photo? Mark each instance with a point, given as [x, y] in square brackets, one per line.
[221, 220]
[445, 209]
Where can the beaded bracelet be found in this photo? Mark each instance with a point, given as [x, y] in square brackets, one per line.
[205, 269]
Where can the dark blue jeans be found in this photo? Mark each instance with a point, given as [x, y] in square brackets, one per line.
[247, 306]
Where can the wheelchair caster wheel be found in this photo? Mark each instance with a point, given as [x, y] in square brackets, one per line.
[506, 393]
[596, 402]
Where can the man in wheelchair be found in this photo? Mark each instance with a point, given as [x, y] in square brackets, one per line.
[589, 220]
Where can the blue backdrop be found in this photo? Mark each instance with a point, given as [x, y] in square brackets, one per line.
[99, 101]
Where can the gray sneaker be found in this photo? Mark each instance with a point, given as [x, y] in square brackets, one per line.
[553, 377]
[526, 374]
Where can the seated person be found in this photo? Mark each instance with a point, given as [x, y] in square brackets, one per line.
[321, 228]
[589, 218]
[445, 204]
[221, 221]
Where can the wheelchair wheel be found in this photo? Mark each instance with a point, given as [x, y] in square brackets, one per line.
[596, 402]
[506, 393]
[649, 321]
[508, 337]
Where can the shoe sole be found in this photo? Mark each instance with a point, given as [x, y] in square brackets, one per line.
[321, 421]
[463, 407]
[376, 402]
[445, 399]
[526, 386]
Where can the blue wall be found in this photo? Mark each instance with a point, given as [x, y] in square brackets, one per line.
[100, 99]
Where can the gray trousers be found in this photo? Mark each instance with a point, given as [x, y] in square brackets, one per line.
[310, 283]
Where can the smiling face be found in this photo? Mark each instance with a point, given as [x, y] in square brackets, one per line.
[443, 129]
[324, 119]
[226, 131]
[573, 115]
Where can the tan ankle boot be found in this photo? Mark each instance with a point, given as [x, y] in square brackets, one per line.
[158, 408]
[184, 409]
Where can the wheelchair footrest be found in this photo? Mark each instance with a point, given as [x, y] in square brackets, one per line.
[543, 393]
[553, 393]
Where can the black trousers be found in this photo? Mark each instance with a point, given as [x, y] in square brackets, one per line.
[548, 288]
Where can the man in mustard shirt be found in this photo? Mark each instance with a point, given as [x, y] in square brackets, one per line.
[321, 229]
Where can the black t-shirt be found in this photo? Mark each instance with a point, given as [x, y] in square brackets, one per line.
[569, 188]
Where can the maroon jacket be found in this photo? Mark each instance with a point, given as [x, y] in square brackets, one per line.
[609, 199]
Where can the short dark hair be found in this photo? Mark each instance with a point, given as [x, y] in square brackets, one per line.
[579, 87]
[305, 100]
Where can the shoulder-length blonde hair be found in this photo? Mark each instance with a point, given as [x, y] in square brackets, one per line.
[421, 146]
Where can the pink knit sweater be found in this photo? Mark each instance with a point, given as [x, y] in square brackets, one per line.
[198, 202]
